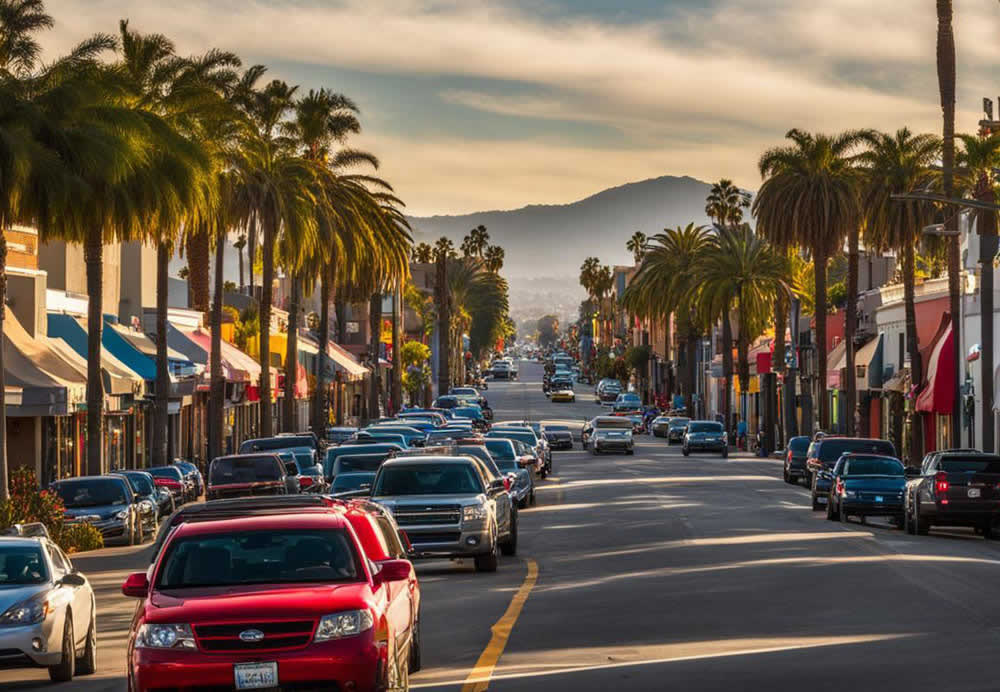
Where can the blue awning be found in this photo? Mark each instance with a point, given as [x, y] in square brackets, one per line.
[138, 352]
[72, 331]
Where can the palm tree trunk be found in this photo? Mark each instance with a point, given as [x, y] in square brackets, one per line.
[251, 251]
[819, 259]
[946, 85]
[988, 248]
[4, 483]
[913, 348]
[727, 369]
[321, 407]
[852, 327]
[444, 325]
[340, 310]
[217, 398]
[93, 255]
[239, 255]
[198, 251]
[374, 338]
[743, 356]
[162, 390]
[291, 357]
[691, 344]
[397, 345]
[266, 418]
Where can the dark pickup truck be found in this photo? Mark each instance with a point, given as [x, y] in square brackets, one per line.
[244, 475]
[823, 455]
[954, 489]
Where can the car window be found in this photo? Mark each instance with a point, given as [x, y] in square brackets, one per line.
[91, 492]
[970, 465]
[703, 427]
[354, 463]
[58, 564]
[349, 482]
[873, 467]
[22, 566]
[227, 470]
[798, 445]
[428, 479]
[829, 450]
[274, 556]
[613, 423]
[140, 483]
[500, 449]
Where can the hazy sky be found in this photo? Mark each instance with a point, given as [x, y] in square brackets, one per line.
[484, 104]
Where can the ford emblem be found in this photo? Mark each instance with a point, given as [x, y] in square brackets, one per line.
[251, 636]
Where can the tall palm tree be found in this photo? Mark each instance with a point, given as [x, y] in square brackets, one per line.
[423, 253]
[726, 203]
[443, 250]
[809, 198]
[476, 242]
[946, 85]
[494, 258]
[895, 164]
[239, 244]
[636, 244]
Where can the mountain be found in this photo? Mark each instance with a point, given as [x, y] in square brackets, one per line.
[553, 240]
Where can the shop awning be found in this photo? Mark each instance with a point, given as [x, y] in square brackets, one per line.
[346, 363]
[899, 382]
[868, 364]
[938, 394]
[69, 335]
[138, 352]
[50, 386]
[237, 366]
[835, 362]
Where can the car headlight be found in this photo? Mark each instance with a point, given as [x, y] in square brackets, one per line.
[345, 624]
[122, 514]
[850, 493]
[151, 636]
[473, 513]
[28, 612]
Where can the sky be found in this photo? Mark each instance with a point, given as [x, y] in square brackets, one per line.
[475, 105]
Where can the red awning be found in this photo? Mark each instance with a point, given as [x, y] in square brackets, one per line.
[938, 394]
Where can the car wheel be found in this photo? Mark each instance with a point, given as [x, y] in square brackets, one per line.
[843, 514]
[521, 504]
[415, 646]
[685, 451]
[87, 664]
[63, 671]
[488, 562]
[816, 503]
[829, 512]
[509, 547]
[725, 454]
[531, 498]
[921, 526]
[594, 450]
[788, 478]
[630, 452]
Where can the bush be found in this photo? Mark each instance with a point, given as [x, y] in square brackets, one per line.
[76, 538]
[27, 504]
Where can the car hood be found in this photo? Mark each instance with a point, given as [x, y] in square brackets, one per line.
[13, 595]
[259, 602]
[876, 483]
[102, 512]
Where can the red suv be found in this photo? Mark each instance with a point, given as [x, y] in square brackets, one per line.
[298, 600]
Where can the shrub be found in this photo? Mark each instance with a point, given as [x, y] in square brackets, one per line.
[76, 538]
[27, 504]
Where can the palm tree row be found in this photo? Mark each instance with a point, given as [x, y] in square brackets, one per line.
[123, 139]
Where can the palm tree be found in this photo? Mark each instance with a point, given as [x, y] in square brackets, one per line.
[725, 203]
[946, 85]
[636, 245]
[476, 242]
[239, 244]
[494, 258]
[423, 253]
[809, 198]
[896, 164]
[443, 250]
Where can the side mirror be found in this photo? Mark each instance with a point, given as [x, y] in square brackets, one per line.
[393, 570]
[136, 586]
[73, 579]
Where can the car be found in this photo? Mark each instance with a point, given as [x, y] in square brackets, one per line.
[247, 475]
[660, 426]
[283, 601]
[866, 485]
[960, 488]
[447, 507]
[352, 482]
[473, 394]
[676, 429]
[448, 433]
[543, 441]
[705, 436]
[47, 608]
[107, 503]
[193, 475]
[171, 478]
[823, 455]
[607, 391]
[559, 436]
[627, 401]
[502, 370]
[613, 439]
[531, 440]
[434, 417]
[563, 394]
[280, 441]
[154, 503]
[795, 459]
[514, 464]
[301, 462]
[613, 422]
[360, 463]
[368, 436]
[473, 413]
[413, 437]
[330, 462]
[337, 434]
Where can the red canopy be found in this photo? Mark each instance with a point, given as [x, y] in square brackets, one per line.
[938, 394]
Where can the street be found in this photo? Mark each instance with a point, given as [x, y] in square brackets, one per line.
[663, 572]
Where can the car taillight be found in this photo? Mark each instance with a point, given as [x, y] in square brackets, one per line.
[789, 457]
[167, 483]
[305, 482]
[941, 483]
[840, 486]
[506, 483]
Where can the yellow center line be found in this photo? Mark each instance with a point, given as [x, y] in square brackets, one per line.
[479, 678]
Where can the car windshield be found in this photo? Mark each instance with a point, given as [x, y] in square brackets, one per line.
[428, 479]
[96, 492]
[799, 445]
[349, 463]
[140, 483]
[525, 436]
[613, 424]
[988, 465]
[346, 482]
[243, 470]
[679, 422]
[22, 565]
[874, 467]
[468, 412]
[700, 427]
[171, 472]
[500, 450]
[275, 556]
[831, 449]
[272, 443]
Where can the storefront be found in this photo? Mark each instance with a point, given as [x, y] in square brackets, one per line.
[936, 399]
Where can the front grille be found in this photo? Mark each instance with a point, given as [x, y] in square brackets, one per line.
[442, 537]
[291, 634]
[437, 514]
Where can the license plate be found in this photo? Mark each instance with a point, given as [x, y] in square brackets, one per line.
[878, 498]
[822, 500]
[256, 676]
[974, 492]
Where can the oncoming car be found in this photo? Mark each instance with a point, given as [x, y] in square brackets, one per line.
[563, 394]
[705, 436]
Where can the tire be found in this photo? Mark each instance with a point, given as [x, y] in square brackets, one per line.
[685, 452]
[908, 524]
[922, 526]
[725, 454]
[488, 562]
[630, 452]
[816, 503]
[531, 498]
[787, 477]
[843, 514]
[509, 547]
[829, 512]
[64, 670]
[521, 504]
[594, 450]
[87, 664]
[415, 664]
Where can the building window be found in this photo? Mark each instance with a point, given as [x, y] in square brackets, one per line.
[861, 371]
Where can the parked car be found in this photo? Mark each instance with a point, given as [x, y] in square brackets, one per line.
[677, 428]
[954, 489]
[192, 476]
[246, 475]
[866, 485]
[154, 503]
[171, 478]
[660, 426]
[281, 601]
[447, 507]
[705, 436]
[337, 434]
[627, 401]
[47, 609]
[559, 436]
[795, 459]
[105, 502]
[509, 460]
[824, 453]
[528, 437]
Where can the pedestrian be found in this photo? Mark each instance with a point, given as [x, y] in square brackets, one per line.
[741, 433]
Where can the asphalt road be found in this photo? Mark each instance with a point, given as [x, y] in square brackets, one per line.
[660, 572]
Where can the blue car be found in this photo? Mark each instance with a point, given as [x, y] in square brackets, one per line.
[412, 435]
[627, 401]
[354, 450]
[866, 485]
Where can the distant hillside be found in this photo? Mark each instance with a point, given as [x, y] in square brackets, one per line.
[553, 240]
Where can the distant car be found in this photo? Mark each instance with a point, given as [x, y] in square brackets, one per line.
[510, 461]
[171, 478]
[563, 394]
[154, 503]
[612, 440]
[795, 459]
[281, 441]
[47, 610]
[823, 455]
[352, 481]
[530, 439]
[364, 437]
[192, 477]
[107, 503]
[502, 370]
[248, 475]
[866, 485]
[414, 437]
[607, 391]
[660, 426]
[330, 468]
[306, 468]
[676, 429]
[627, 401]
[337, 435]
[705, 436]
[954, 489]
[591, 427]
[559, 436]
